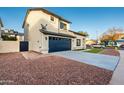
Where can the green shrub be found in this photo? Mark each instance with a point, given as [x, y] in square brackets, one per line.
[6, 38]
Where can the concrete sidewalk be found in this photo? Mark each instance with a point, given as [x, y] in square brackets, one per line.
[118, 76]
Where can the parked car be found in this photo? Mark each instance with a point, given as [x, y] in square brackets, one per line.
[98, 46]
[122, 46]
[88, 46]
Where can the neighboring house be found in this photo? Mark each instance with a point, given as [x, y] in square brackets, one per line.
[48, 32]
[10, 34]
[1, 25]
[91, 42]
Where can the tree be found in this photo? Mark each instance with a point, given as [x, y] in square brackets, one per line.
[122, 38]
[84, 33]
[112, 35]
[7, 38]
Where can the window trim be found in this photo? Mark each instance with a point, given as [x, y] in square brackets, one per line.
[52, 18]
[78, 42]
[64, 26]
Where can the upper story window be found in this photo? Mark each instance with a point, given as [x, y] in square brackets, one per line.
[63, 26]
[52, 18]
[78, 42]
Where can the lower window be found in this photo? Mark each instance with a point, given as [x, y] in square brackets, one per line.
[78, 42]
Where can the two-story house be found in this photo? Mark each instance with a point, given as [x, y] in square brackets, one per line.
[48, 32]
[1, 25]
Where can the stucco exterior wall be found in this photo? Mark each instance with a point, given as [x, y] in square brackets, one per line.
[20, 38]
[74, 42]
[26, 30]
[40, 46]
[36, 18]
[9, 46]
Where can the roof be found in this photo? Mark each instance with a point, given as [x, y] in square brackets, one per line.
[1, 22]
[58, 34]
[76, 33]
[20, 34]
[120, 40]
[46, 11]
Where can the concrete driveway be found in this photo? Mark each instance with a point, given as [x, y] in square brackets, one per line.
[99, 60]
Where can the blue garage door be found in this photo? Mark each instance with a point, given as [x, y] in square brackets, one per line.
[59, 44]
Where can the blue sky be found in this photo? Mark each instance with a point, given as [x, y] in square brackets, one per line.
[83, 19]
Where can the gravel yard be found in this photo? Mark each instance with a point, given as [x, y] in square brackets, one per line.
[111, 52]
[49, 70]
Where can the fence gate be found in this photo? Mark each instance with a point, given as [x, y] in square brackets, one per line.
[23, 45]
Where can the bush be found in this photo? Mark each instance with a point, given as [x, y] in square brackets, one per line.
[6, 38]
[111, 47]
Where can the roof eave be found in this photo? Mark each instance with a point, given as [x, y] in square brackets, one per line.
[26, 17]
[77, 33]
[58, 34]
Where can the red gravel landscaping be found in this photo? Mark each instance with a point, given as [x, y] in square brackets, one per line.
[49, 70]
[111, 52]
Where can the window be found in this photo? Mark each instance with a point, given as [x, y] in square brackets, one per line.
[63, 26]
[51, 18]
[45, 38]
[50, 38]
[78, 42]
[53, 38]
[83, 40]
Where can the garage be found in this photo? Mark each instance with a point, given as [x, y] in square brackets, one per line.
[59, 44]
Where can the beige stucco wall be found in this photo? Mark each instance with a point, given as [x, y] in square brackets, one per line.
[20, 38]
[40, 45]
[36, 18]
[9, 46]
[26, 30]
[74, 42]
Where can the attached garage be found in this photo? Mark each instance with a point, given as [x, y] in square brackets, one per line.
[59, 44]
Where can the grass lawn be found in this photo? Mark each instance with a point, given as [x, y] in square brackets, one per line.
[112, 52]
[94, 50]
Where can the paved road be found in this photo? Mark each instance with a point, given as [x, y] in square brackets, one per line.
[103, 61]
[118, 76]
